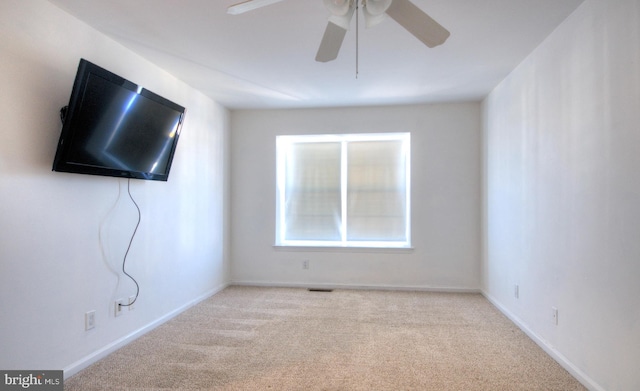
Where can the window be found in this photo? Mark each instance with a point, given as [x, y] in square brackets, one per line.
[343, 190]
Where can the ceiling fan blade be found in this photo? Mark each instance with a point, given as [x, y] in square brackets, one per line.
[418, 23]
[331, 43]
[249, 5]
[334, 35]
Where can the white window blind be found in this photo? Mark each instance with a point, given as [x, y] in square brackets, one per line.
[343, 190]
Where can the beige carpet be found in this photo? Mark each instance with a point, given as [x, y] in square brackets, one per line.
[247, 338]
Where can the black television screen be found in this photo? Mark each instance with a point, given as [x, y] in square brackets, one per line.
[114, 127]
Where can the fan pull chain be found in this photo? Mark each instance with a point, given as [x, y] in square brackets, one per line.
[357, 29]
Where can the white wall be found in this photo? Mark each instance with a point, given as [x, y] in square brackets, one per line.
[62, 236]
[446, 187]
[562, 189]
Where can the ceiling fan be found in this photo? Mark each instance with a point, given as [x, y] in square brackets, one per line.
[407, 14]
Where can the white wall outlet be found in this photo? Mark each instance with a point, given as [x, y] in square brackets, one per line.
[516, 291]
[554, 315]
[131, 306]
[305, 264]
[90, 320]
[118, 308]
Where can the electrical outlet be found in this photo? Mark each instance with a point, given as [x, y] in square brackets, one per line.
[118, 307]
[90, 320]
[554, 315]
[516, 291]
[305, 264]
[131, 303]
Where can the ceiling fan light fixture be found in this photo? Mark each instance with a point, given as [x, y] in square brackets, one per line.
[343, 21]
[376, 7]
[372, 20]
[374, 11]
[338, 7]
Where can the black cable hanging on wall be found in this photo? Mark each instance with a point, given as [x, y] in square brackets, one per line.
[124, 260]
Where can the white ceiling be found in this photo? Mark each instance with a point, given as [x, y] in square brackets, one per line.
[266, 58]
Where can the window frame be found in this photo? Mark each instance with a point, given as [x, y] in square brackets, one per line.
[282, 142]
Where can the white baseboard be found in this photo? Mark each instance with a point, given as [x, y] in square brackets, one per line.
[582, 377]
[305, 285]
[115, 345]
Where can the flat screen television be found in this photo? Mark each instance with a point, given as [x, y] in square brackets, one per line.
[114, 127]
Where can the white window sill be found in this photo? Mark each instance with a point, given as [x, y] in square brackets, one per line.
[300, 248]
